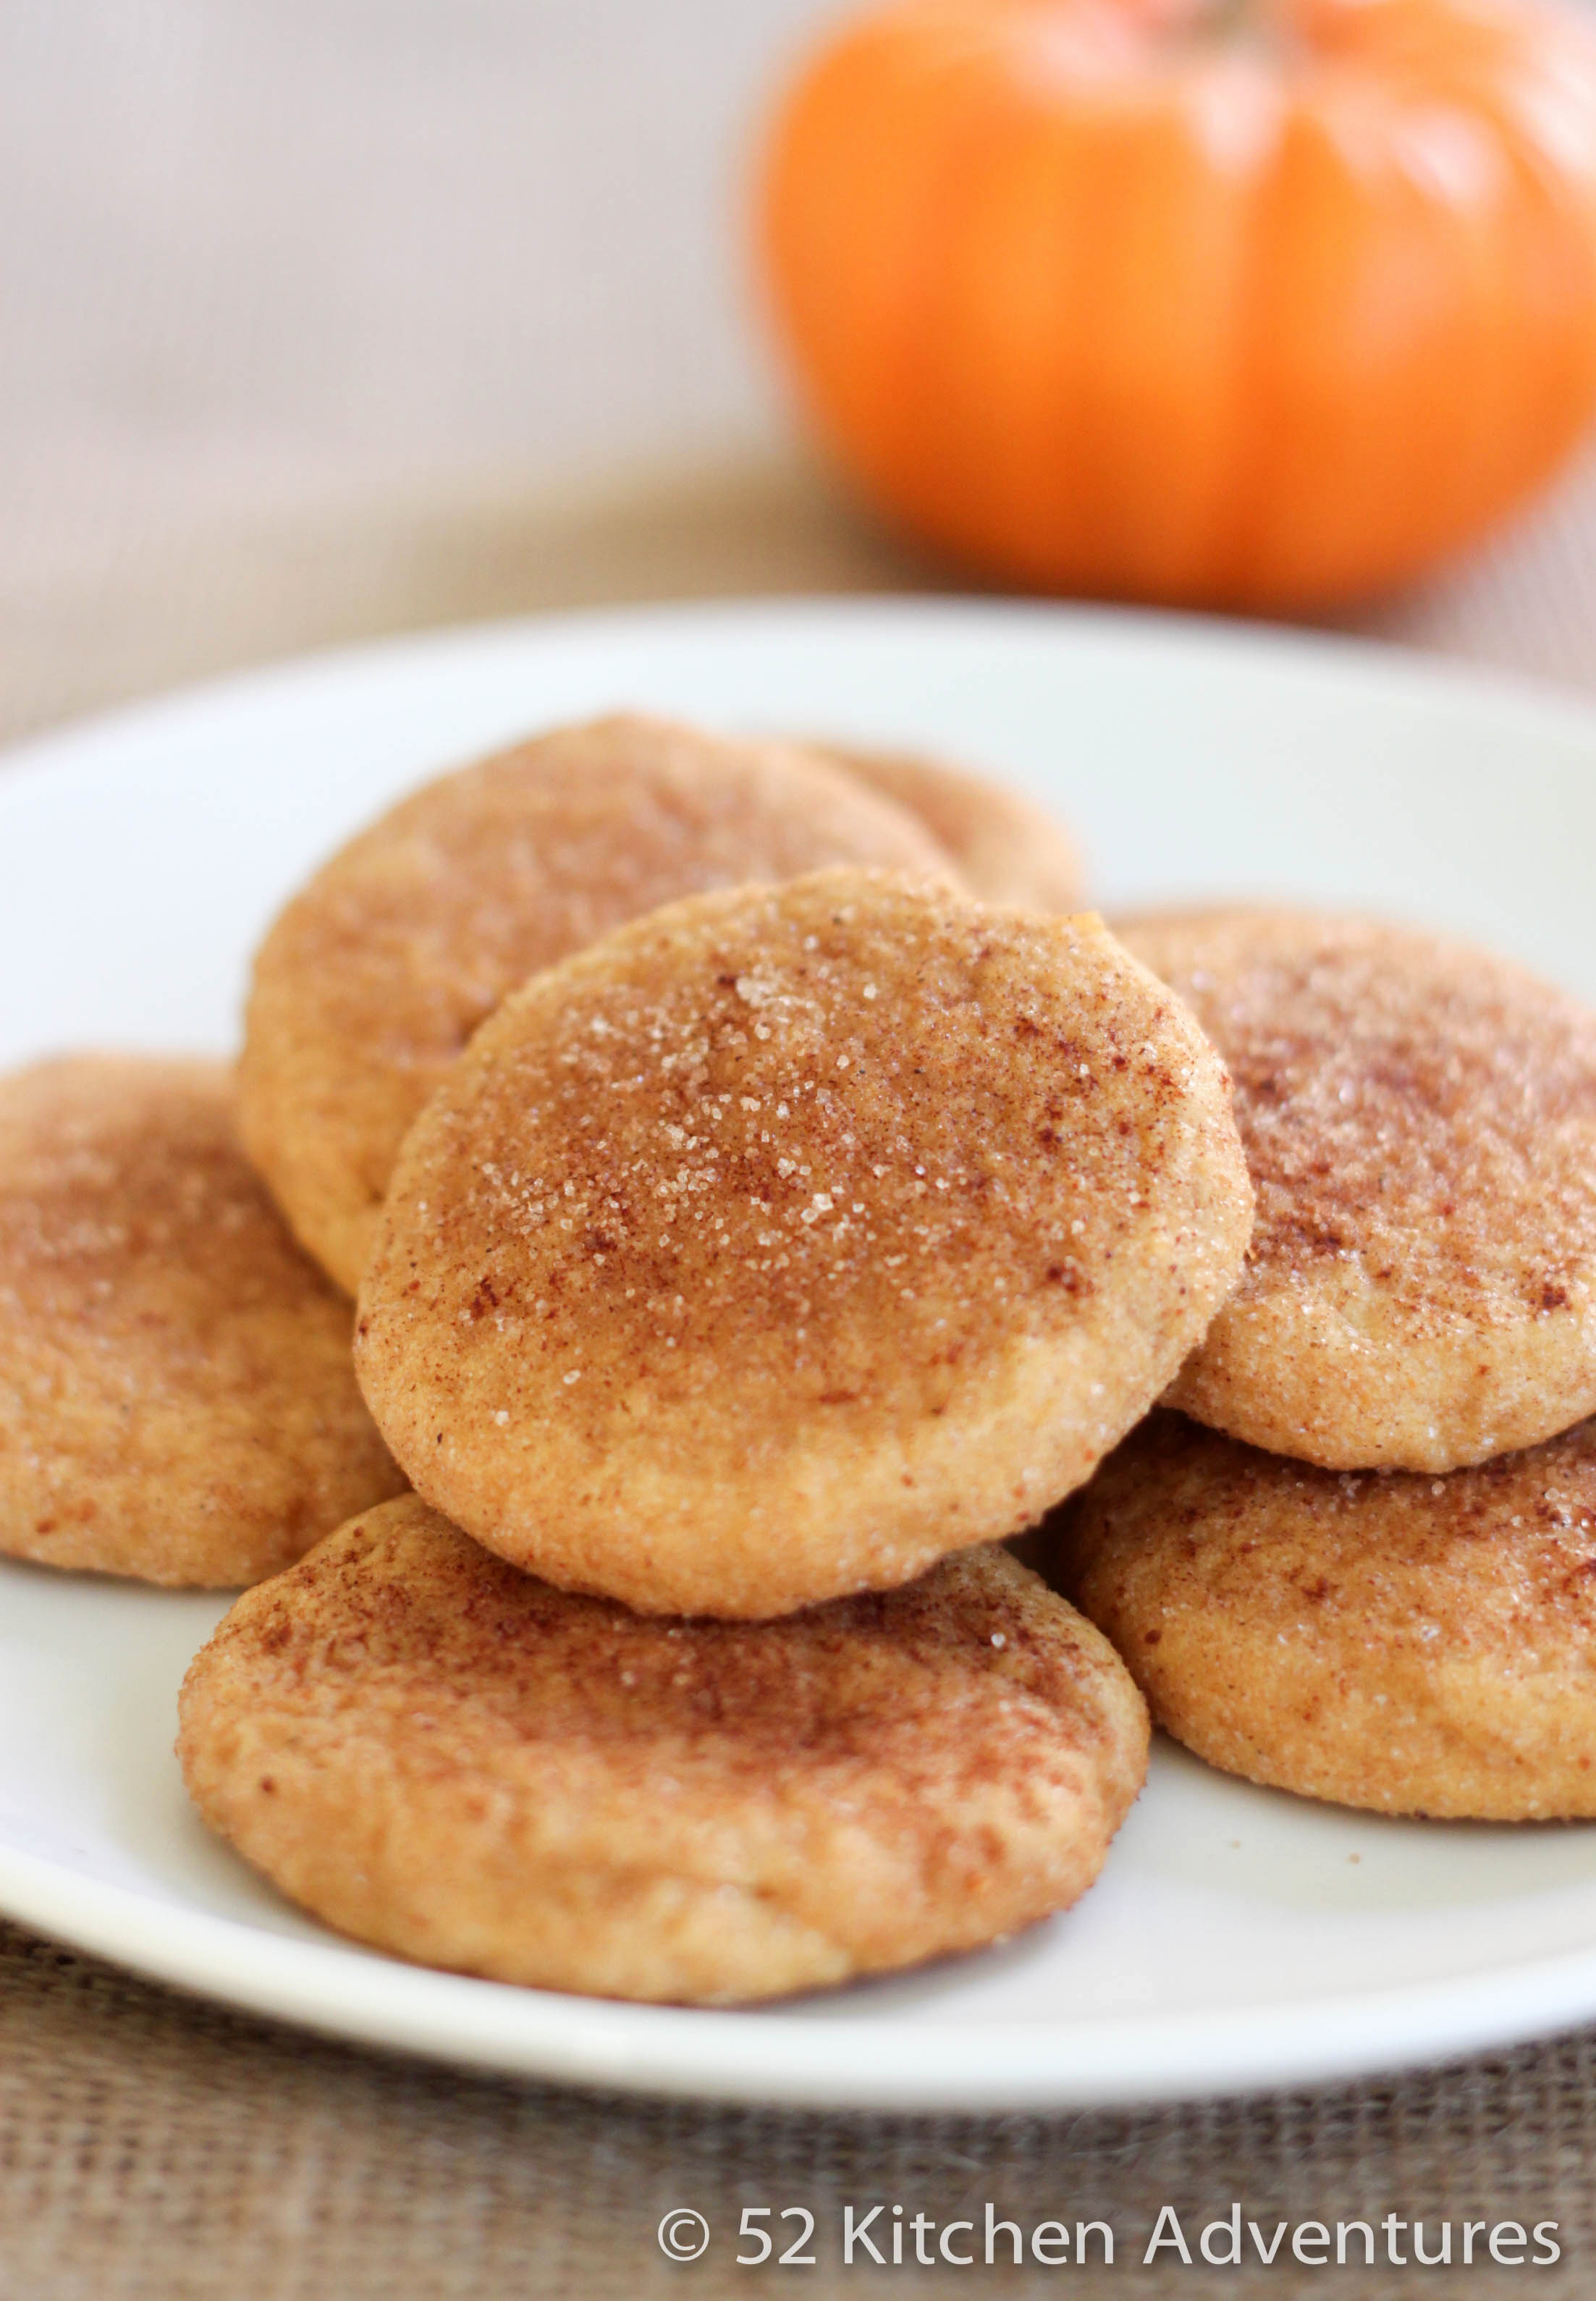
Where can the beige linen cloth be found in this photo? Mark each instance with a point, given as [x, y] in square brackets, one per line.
[287, 293]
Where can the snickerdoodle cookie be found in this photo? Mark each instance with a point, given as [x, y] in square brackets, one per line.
[790, 1238]
[1007, 849]
[176, 1398]
[377, 972]
[452, 1761]
[1413, 1644]
[1420, 1124]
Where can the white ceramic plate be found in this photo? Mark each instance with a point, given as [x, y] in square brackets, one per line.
[1237, 1937]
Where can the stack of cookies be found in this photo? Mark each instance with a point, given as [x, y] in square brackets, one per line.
[762, 1200]
[1356, 1555]
[683, 1205]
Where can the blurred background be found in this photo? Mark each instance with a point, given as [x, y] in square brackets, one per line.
[326, 317]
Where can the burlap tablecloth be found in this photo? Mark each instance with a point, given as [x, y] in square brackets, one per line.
[156, 2148]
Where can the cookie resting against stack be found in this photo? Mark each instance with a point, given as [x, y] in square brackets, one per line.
[788, 1239]
[1420, 1124]
[176, 1398]
[1418, 1316]
[375, 975]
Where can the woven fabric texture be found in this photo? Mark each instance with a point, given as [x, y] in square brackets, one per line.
[155, 2150]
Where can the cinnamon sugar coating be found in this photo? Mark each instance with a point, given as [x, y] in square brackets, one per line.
[1007, 849]
[1420, 1124]
[376, 974]
[789, 1239]
[176, 1397]
[451, 1760]
[1406, 1644]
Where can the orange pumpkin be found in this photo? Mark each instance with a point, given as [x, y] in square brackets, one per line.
[1244, 304]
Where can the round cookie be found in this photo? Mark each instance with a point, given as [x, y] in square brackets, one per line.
[377, 974]
[1008, 850]
[790, 1238]
[452, 1761]
[176, 1397]
[1407, 1643]
[1420, 1124]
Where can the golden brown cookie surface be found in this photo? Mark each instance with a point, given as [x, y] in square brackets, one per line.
[1420, 1124]
[376, 974]
[176, 1397]
[451, 1760]
[1409, 1644]
[790, 1239]
[1007, 849]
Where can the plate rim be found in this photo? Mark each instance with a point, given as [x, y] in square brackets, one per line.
[1421, 674]
[339, 1990]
